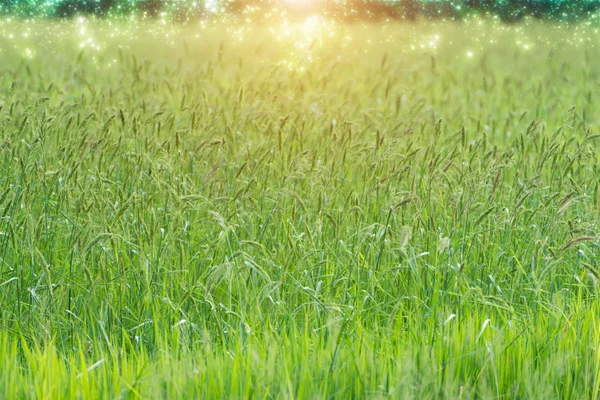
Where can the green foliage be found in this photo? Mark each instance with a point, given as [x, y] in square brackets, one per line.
[191, 10]
[191, 213]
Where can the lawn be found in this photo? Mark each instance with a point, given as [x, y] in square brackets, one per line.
[299, 210]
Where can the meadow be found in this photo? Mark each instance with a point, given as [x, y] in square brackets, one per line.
[299, 210]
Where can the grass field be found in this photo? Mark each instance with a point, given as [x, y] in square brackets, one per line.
[299, 211]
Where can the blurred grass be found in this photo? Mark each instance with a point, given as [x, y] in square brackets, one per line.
[299, 211]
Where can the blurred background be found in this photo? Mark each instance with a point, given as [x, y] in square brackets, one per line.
[187, 10]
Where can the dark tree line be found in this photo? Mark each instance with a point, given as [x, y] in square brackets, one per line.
[515, 10]
[507, 10]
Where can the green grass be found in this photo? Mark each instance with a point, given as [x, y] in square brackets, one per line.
[201, 212]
